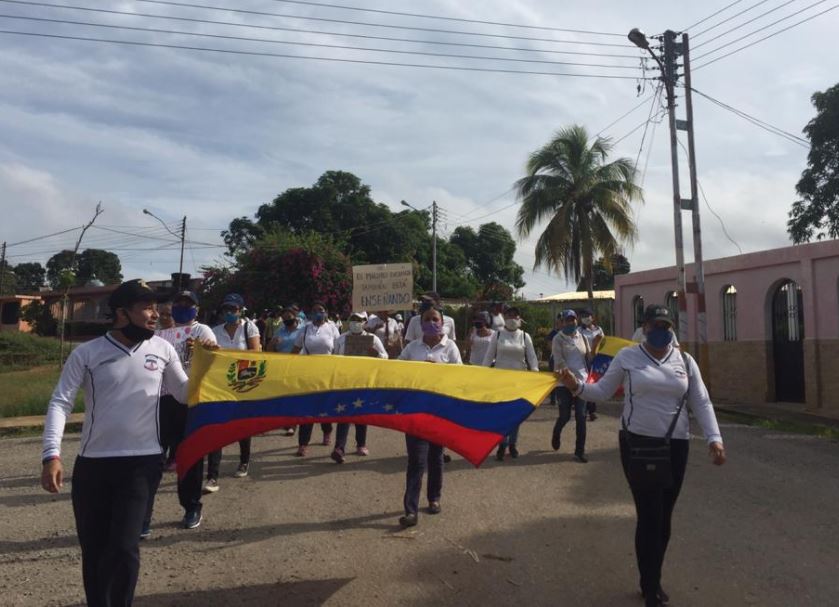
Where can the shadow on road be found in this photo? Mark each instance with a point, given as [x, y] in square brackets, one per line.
[306, 593]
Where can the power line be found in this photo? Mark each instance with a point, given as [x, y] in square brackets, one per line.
[311, 44]
[756, 121]
[622, 116]
[382, 25]
[442, 18]
[14, 244]
[710, 208]
[647, 125]
[711, 16]
[305, 31]
[309, 57]
[646, 122]
[734, 16]
[466, 218]
[742, 25]
[810, 18]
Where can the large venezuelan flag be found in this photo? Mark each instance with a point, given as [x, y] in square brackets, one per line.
[234, 394]
[609, 347]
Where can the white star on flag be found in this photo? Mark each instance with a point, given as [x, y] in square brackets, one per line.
[358, 403]
[340, 408]
[389, 407]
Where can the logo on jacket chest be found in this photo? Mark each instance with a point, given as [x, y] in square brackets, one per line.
[152, 362]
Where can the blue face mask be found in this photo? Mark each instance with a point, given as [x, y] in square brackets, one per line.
[231, 317]
[659, 337]
[318, 317]
[570, 329]
[184, 314]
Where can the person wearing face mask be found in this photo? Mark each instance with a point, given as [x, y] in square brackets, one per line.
[387, 330]
[356, 323]
[235, 333]
[318, 337]
[173, 414]
[496, 313]
[480, 338]
[658, 381]
[511, 348]
[594, 334]
[434, 347]
[571, 351]
[285, 336]
[428, 301]
[120, 457]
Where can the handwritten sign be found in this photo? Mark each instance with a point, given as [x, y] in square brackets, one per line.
[383, 287]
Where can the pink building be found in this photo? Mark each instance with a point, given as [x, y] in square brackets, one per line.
[772, 318]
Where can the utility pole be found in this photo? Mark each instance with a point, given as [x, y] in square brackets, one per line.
[3, 269]
[698, 264]
[434, 246]
[181, 265]
[669, 75]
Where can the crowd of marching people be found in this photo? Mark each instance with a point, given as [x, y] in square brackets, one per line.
[119, 466]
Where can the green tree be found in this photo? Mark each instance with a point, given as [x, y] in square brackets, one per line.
[281, 268]
[816, 213]
[585, 201]
[58, 267]
[604, 273]
[489, 256]
[31, 276]
[241, 235]
[9, 280]
[89, 264]
[96, 263]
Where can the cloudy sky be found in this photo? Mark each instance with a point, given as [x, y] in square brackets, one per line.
[212, 135]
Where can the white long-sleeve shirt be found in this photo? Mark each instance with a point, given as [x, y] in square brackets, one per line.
[445, 351]
[121, 394]
[341, 344]
[653, 390]
[570, 351]
[511, 350]
[478, 346]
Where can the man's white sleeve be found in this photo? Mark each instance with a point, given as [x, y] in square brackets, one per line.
[61, 403]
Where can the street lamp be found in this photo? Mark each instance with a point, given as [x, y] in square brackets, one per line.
[182, 238]
[638, 38]
[433, 240]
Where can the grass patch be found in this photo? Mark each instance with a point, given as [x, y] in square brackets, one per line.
[24, 350]
[28, 392]
[777, 425]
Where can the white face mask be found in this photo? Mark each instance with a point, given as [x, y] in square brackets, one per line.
[356, 327]
[512, 324]
[587, 321]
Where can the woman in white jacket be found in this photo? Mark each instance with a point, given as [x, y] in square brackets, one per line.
[511, 348]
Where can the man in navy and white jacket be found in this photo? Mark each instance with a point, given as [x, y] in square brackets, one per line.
[119, 462]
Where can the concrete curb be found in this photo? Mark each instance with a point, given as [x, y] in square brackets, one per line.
[768, 412]
[33, 421]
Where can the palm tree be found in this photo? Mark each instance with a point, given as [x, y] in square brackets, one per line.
[585, 200]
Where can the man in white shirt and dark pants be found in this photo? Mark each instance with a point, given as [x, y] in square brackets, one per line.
[571, 351]
[120, 456]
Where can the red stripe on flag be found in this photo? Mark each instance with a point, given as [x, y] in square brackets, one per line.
[473, 445]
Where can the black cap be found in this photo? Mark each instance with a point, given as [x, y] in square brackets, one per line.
[657, 313]
[131, 292]
[186, 295]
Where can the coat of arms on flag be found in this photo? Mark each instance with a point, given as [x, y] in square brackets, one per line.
[245, 375]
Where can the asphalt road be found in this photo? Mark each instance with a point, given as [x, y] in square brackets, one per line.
[542, 530]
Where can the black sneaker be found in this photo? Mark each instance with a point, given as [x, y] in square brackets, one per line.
[581, 458]
[193, 518]
[434, 508]
[514, 453]
[337, 455]
[446, 458]
[145, 533]
[499, 455]
[555, 439]
[663, 597]
[592, 417]
[241, 471]
[409, 520]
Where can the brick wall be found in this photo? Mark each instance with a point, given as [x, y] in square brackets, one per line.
[739, 371]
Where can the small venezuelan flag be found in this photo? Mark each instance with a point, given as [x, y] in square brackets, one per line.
[234, 394]
[609, 347]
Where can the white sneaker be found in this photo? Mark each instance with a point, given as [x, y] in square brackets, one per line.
[211, 486]
[241, 471]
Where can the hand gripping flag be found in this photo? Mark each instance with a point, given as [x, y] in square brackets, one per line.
[609, 347]
[234, 394]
